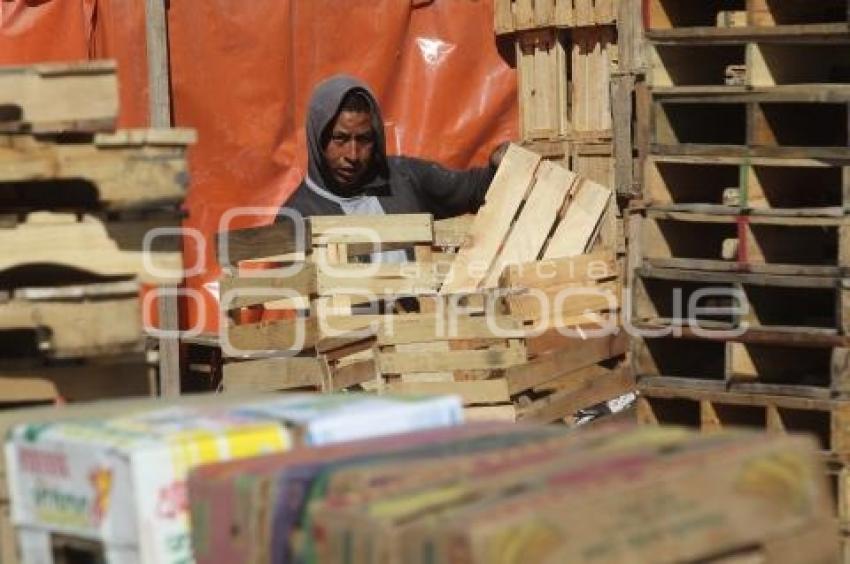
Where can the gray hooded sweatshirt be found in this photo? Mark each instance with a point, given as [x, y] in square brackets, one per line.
[393, 184]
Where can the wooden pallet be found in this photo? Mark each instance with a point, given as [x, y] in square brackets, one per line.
[712, 410]
[521, 15]
[802, 304]
[59, 97]
[707, 17]
[535, 209]
[755, 186]
[126, 169]
[75, 320]
[760, 244]
[103, 247]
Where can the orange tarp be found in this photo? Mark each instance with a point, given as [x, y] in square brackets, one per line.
[242, 73]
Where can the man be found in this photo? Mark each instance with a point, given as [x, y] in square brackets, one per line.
[350, 173]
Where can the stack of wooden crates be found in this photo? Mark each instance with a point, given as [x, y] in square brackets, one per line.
[78, 201]
[742, 289]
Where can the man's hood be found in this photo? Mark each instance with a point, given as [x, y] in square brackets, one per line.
[324, 104]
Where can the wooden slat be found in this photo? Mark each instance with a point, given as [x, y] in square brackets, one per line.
[507, 191]
[349, 229]
[80, 96]
[471, 391]
[567, 402]
[538, 308]
[271, 374]
[242, 290]
[80, 327]
[115, 173]
[574, 234]
[505, 412]
[259, 242]
[503, 17]
[402, 363]
[553, 272]
[584, 352]
[528, 235]
[90, 244]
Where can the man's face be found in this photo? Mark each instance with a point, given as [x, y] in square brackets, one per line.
[349, 150]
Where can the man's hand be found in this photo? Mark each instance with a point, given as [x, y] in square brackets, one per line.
[498, 153]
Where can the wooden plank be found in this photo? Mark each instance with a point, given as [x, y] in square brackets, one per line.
[509, 188]
[544, 13]
[503, 17]
[93, 379]
[271, 374]
[403, 363]
[568, 402]
[417, 328]
[583, 13]
[108, 324]
[159, 83]
[622, 89]
[573, 235]
[168, 309]
[556, 306]
[564, 14]
[555, 272]
[273, 240]
[527, 237]
[584, 352]
[112, 173]
[524, 14]
[245, 290]
[379, 229]
[490, 413]
[471, 391]
[88, 243]
[61, 96]
[452, 232]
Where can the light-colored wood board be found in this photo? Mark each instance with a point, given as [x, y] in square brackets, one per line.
[582, 353]
[243, 289]
[573, 236]
[394, 228]
[505, 412]
[527, 237]
[555, 272]
[566, 403]
[122, 176]
[80, 328]
[60, 96]
[90, 244]
[470, 392]
[271, 374]
[402, 363]
[509, 188]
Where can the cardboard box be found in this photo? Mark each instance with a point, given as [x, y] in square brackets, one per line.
[122, 480]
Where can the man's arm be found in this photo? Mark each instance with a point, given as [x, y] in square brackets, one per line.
[449, 193]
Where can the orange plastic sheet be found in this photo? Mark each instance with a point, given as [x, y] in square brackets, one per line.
[242, 73]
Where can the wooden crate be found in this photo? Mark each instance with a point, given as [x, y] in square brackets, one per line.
[521, 15]
[59, 97]
[128, 169]
[535, 210]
